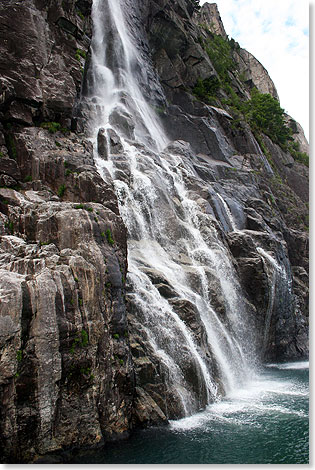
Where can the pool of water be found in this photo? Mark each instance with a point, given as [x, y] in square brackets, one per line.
[264, 422]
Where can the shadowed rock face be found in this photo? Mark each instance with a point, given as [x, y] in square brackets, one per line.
[42, 40]
[75, 366]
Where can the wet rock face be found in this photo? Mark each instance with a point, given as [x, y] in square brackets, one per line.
[264, 197]
[268, 285]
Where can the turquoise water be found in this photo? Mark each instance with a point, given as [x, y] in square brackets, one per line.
[265, 422]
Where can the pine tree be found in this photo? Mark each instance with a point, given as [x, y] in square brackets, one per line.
[196, 4]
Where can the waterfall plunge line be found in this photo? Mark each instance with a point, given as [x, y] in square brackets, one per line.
[111, 89]
[278, 277]
[164, 229]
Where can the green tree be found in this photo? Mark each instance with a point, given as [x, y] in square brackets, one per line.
[219, 51]
[206, 90]
[265, 113]
[196, 4]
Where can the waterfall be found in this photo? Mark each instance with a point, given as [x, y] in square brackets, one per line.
[280, 287]
[116, 74]
[267, 166]
[182, 288]
[228, 213]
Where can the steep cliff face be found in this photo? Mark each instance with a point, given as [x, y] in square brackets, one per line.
[272, 186]
[76, 366]
[66, 376]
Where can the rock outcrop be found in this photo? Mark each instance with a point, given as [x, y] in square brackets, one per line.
[254, 72]
[209, 17]
[66, 372]
[75, 366]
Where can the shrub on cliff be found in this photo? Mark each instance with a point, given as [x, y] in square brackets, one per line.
[265, 113]
[302, 157]
[219, 51]
[196, 4]
[262, 112]
[206, 90]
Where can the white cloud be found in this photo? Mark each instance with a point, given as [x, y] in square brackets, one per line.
[276, 32]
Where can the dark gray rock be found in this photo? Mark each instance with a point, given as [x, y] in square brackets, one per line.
[146, 410]
[123, 122]
[190, 316]
[32, 79]
[114, 142]
[102, 148]
[199, 132]
[7, 181]
[9, 167]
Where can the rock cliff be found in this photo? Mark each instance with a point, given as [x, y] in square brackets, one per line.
[76, 368]
[66, 375]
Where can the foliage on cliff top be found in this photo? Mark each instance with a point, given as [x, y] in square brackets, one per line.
[220, 52]
[262, 111]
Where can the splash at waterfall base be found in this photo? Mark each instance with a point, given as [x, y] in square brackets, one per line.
[264, 423]
[156, 256]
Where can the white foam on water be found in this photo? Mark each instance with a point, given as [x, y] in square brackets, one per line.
[262, 396]
[290, 365]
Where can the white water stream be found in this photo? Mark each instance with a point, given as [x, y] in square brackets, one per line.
[176, 260]
[114, 80]
[278, 278]
[228, 213]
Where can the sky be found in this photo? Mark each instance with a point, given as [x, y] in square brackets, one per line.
[276, 32]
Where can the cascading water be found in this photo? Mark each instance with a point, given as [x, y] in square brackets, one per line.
[280, 283]
[267, 166]
[228, 213]
[182, 289]
[115, 77]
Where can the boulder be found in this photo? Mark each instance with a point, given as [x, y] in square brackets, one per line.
[102, 148]
[123, 122]
[147, 411]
